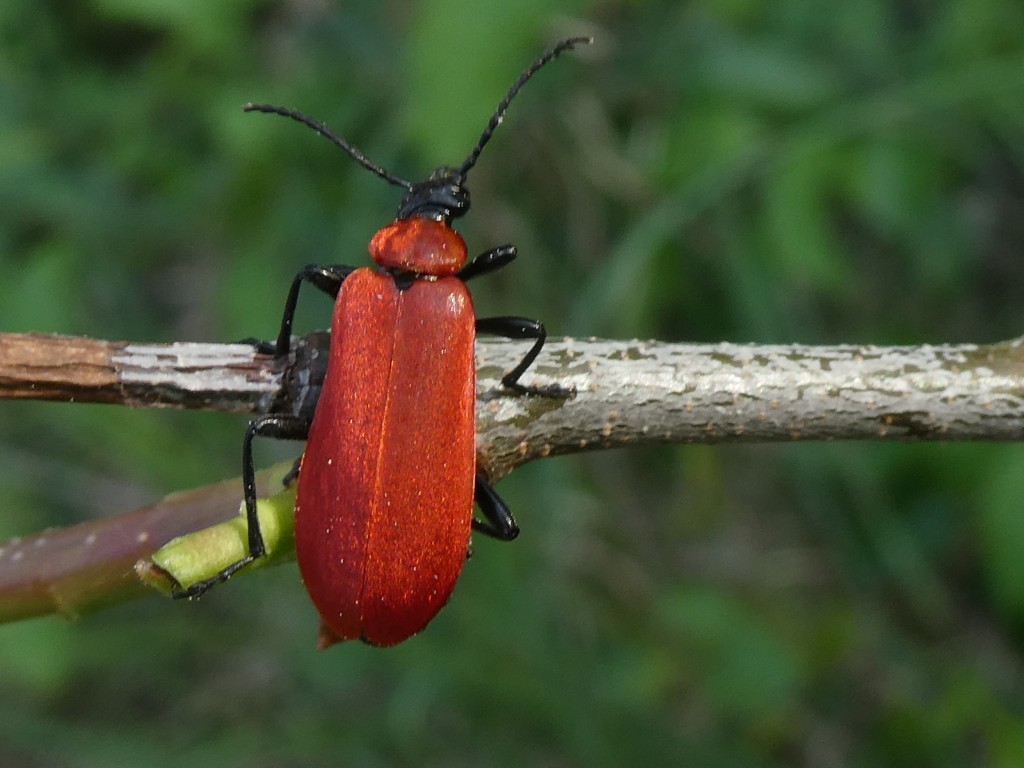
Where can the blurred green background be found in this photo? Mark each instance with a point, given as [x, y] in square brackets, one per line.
[736, 170]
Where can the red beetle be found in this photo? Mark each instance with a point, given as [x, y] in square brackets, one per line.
[387, 481]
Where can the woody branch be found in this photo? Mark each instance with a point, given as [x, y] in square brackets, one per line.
[627, 392]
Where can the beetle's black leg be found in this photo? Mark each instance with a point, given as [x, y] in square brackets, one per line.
[276, 426]
[489, 261]
[327, 278]
[511, 327]
[293, 473]
[498, 522]
[521, 328]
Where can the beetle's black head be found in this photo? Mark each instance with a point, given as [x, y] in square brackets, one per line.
[442, 197]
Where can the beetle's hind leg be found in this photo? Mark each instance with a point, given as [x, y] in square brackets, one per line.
[279, 427]
[498, 522]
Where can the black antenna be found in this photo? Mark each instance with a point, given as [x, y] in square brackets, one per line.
[552, 53]
[322, 129]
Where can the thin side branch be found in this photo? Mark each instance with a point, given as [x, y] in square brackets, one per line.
[73, 571]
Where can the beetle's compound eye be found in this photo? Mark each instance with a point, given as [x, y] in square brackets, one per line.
[456, 197]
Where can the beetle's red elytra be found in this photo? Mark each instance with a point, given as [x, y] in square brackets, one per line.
[385, 501]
